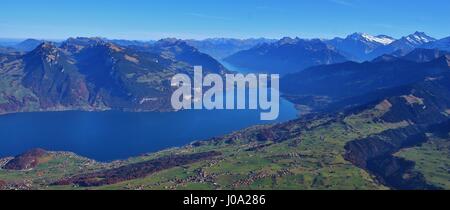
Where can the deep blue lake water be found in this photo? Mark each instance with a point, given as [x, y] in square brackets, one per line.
[113, 135]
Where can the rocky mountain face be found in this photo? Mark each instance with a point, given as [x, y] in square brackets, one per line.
[93, 74]
[53, 77]
[75, 45]
[286, 56]
[425, 107]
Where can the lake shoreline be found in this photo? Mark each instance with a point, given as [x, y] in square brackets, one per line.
[124, 133]
[121, 134]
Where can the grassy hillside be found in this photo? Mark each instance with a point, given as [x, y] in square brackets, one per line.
[432, 160]
[263, 157]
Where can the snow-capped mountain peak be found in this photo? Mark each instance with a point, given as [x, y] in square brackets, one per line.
[381, 39]
[419, 38]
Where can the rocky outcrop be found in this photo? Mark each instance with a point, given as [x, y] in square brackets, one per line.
[424, 107]
[360, 152]
[375, 154]
[135, 171]
[26, 161]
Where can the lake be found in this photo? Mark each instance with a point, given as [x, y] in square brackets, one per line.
[113, 135]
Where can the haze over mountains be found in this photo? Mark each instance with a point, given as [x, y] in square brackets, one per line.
[352, 84]
[404, 45]
[355, 47]
[286, 56]
[375, 112]
[359, 46]
[293, 55]
[220, 48]
[97, 73]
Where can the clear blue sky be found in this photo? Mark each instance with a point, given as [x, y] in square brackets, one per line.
[154, 19]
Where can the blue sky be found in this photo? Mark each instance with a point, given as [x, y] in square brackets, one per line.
[154, 19]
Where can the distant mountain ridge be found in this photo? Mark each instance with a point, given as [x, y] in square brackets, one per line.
[359, 46]
[354, 83]
[7, 50]
[220, 48]
[28, 45]
[287, 55]
[180, 50]
[99, 73]
[421, 55]
[404, 45]
[442, 44]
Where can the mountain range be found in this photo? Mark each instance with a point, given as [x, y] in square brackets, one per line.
[364, 47]
[286, 56]
[404, 45]
[220, 48]
[28, 45]
[351, 83]
[93, 74]
[292, 55]
[359, 46]
[180, 50]
[375, 114]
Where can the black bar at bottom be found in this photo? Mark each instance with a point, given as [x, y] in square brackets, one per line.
[230, 199]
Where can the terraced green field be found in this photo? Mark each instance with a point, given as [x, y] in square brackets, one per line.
[432, 160]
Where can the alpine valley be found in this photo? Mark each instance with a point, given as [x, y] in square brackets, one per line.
[373, 112]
